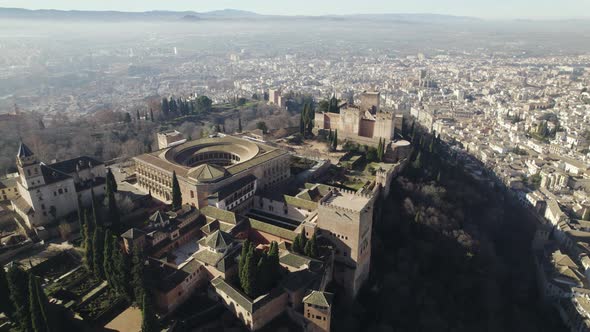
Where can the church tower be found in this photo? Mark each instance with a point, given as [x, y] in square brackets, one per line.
[29, 167]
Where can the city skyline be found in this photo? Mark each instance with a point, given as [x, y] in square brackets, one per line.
[502, 9]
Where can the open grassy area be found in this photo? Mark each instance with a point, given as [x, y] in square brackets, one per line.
[358, 172]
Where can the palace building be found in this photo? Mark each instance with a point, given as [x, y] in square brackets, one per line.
[224, 172]
[47, 193]
[236, 189]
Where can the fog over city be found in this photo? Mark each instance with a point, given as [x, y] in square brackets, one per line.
[44, 62]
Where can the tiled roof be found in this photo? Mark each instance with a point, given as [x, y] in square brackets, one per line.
[51, 175]
[22, 205]
[237, 168]
[207, 172]
[272, 229]
[208, 257]
[158, 217]
[133, 233]
[222, 215]
[218, 240]
[210, 227]
[298, 280]
[318, 298]
[294, 260]
[24, 151]
[70, 166]
[301, 203]
[242, 299]
[8, 183]
[191, 266]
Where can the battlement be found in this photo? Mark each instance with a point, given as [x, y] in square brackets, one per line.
[344, 200]
[385, 116]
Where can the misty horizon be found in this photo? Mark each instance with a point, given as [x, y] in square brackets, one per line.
[522, 9]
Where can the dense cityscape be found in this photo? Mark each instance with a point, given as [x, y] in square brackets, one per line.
[233, 171]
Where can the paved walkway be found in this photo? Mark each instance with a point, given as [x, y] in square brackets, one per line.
[128, 321]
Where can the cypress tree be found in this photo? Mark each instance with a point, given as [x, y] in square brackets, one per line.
[431, 146]
[88, 252]
[173, 108]
[273, 258]
[81, 220]
[335, 140]
[95, 216]
[380, 148]
[165, 106]
[113, 209]
[263, 273]
[97, 251]
[311, 247]
[300, 242]
[149, 322]
[89, 224]
[111, 180]
[242, 262]
[37, 320]
[310, 115]
[121, 273]
[137, 274]
[107, 258]
[5, 304]
[418, 161]
[333, 105]
[315, 249]
[176, 194]
[244, 282]
[38, 306]
[302, 123]
[303, 239]
[251, 277]
[19, 288]
[239, 125]
[307, 249]
[296, 246]
[151, 115]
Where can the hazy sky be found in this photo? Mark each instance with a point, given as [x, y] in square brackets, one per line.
[478, 8]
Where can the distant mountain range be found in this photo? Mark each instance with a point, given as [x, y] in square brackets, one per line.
[51, 14]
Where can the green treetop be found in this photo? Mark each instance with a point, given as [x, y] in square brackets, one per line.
[19, 288]
[176, 194]
[149, 321]
[98, 251]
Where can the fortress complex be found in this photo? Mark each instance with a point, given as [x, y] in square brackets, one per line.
[365, 123]
[235, 189]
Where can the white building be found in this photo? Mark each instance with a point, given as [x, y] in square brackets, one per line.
[51, 192]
